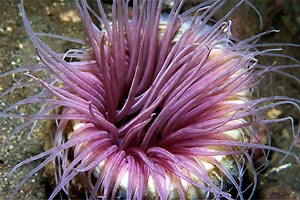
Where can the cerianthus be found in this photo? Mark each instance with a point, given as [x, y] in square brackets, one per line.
[156, 106]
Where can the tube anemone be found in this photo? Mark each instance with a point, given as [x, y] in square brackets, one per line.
[157, 105]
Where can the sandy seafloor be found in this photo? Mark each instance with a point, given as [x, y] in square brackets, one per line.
[279, 180]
